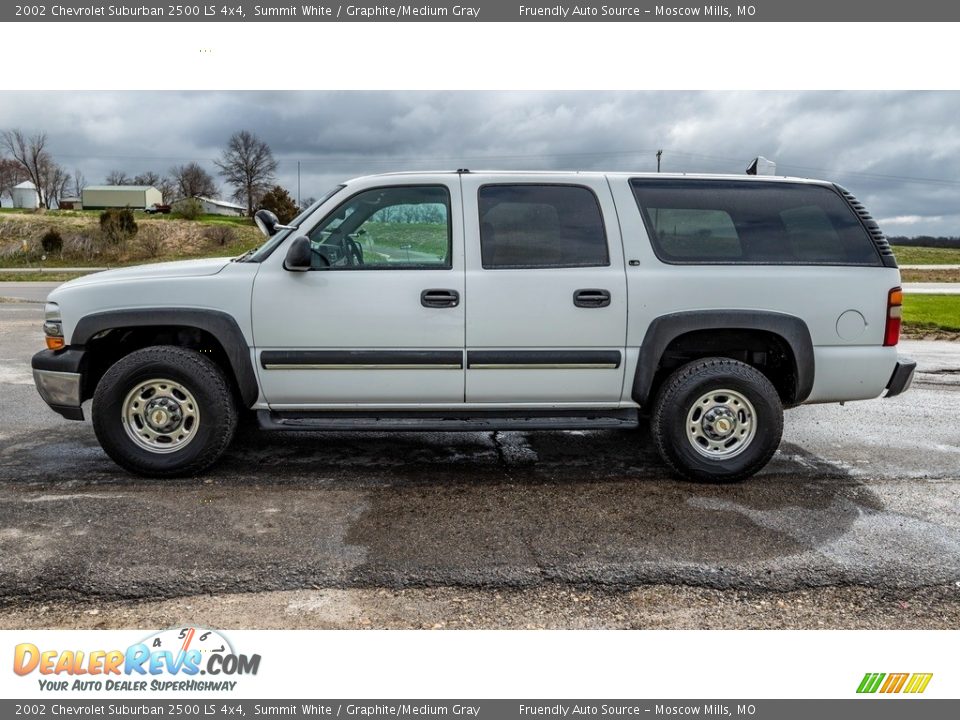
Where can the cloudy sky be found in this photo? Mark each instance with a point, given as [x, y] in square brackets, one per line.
[898, 151]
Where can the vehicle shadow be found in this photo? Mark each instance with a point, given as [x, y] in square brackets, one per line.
[289, 511]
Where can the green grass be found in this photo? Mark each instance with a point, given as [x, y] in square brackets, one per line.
[907, 255]
[39, 276]
[931, 312]
[138, 214]
[428, 238]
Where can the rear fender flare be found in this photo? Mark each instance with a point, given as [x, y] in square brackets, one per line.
[666, 328]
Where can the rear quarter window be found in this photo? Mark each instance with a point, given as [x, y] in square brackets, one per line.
[753, 223]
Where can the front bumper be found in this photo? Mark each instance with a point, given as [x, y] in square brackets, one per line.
[59, 379]
[902, 377]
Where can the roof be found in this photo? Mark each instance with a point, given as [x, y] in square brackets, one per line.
[139, 188]
[221, 203]
[601, 174]
[25, 185]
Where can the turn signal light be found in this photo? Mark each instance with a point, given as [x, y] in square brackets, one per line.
[891, 333]
[54, 343]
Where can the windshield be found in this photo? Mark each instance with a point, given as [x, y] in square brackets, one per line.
[261, 253]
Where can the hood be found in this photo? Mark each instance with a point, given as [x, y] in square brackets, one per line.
[180, 268]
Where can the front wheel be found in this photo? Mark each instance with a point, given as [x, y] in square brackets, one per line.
[717, 420]
[164, 411]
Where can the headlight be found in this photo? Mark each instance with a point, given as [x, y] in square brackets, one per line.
[53, 326]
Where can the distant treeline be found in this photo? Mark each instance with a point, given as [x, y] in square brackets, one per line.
[926, 241]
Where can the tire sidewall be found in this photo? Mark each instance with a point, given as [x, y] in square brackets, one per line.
[108, 414]
[768, 422]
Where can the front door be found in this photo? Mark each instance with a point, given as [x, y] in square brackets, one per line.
[379, 319]
[547, 309]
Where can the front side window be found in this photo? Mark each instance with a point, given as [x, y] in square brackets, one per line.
[743, 222]
[541, 226]
[391, 228]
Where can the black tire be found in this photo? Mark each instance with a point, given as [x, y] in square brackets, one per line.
[216, 421]
[675, 403]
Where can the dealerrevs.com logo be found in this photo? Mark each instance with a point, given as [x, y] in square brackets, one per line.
[887, 684]
[174, 659]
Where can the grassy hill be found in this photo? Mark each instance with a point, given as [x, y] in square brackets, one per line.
[158, 238]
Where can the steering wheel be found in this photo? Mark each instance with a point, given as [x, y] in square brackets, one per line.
[320, 255]
[354, 252]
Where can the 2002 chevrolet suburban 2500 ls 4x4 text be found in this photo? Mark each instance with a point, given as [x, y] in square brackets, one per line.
[496, 300]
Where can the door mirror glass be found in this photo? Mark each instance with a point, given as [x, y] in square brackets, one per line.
[298, 255]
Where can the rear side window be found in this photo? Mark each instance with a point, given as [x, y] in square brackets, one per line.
[541, 226]
[754, 223]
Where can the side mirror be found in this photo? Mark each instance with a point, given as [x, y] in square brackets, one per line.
[298, 255]
[266, 221]
[269, 223]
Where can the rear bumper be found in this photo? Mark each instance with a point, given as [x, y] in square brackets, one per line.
[902, 377]
[59, 380]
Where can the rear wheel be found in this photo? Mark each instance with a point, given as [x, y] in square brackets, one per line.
[164, 411]
[717, 420]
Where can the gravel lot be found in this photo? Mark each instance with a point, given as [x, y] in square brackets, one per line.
[854, 524]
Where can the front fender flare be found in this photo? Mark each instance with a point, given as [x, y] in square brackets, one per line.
[221, 325]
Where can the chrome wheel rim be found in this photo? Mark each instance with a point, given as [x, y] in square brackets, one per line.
[721, 424]
[160, 415]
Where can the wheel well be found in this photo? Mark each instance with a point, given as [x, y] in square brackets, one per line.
[766, 351]
[108, 346]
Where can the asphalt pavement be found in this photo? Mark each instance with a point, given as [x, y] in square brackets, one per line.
[864, 495]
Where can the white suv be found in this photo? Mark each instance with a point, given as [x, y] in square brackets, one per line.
[496, 300]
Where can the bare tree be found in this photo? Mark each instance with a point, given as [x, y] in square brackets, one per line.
[79, 182]
[248, 165]
[55, 180]
[11, 174]
[147, 178]
[192, 180]
[168, 189]
[118, 177]
[31, 154]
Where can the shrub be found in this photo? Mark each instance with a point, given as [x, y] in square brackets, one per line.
[81, 246]
[118, 226]
[280, 203]
[190, 209]
[220, 234]
[150, 242]
[51, 242]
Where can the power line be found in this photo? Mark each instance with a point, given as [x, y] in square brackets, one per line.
[421, 159]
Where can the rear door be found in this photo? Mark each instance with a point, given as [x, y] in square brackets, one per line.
[546, 291]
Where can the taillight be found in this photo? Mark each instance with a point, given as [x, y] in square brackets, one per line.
[891, 334]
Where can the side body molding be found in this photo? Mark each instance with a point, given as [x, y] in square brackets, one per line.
[666, 328]
[219, 324]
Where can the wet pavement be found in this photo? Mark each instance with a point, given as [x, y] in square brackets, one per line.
[867, 494]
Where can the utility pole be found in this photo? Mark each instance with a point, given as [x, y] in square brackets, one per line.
[659, 153]
[298, 184]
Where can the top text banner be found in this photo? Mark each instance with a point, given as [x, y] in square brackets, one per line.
[485, 11]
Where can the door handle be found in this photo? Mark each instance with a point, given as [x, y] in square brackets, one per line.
[438, 298]
[591, 298]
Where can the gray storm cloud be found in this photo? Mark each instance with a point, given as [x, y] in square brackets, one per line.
[899, 151]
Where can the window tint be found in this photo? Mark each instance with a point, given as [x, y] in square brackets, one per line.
[716, 221]
[391, 228]
[541, 226]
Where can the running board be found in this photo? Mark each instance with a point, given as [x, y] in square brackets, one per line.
[449, 421]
